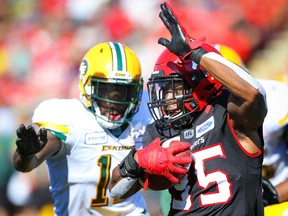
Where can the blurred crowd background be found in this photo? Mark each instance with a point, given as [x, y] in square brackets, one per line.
[42, 43]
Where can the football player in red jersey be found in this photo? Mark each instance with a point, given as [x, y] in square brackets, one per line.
[198, 96]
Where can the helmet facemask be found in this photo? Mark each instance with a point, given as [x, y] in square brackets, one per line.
[114, 102]
[168, 99]
[192, 88]
[176, 100]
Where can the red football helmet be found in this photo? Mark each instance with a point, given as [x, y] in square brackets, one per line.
[179, 90]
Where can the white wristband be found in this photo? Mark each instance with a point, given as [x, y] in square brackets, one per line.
[122, 187]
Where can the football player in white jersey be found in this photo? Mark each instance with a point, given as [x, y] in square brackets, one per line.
[275, 132]
[275, 127]
[83, 140]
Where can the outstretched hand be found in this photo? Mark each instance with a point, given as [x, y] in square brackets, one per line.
[162, 161]
[181, 43]
[28, 142]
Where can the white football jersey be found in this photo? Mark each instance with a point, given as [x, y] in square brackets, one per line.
[80, 172]
[276, 151]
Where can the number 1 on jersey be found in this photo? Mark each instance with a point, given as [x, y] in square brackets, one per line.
[101, 199]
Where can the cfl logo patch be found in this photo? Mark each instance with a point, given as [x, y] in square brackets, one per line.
[188, 134]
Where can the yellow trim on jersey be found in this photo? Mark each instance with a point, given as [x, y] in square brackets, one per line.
[55, 127]
[283, 120]
[277, 209]
[58, 130]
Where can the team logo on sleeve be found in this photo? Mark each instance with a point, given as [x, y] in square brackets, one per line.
[205, 127]
[136, 134]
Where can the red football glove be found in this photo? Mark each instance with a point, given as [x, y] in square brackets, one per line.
[181, 43]
[162, 161]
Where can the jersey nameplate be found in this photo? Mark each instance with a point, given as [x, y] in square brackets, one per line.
[96, 138]
[205, 127]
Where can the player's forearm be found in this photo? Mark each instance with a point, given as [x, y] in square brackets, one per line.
[122, 187]
[116, 177]
[234, 78]
[282, 190]
[24, 164]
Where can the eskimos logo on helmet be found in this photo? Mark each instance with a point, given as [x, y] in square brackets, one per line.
[83, 67]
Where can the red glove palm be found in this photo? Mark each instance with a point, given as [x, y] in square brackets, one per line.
[162, 161]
